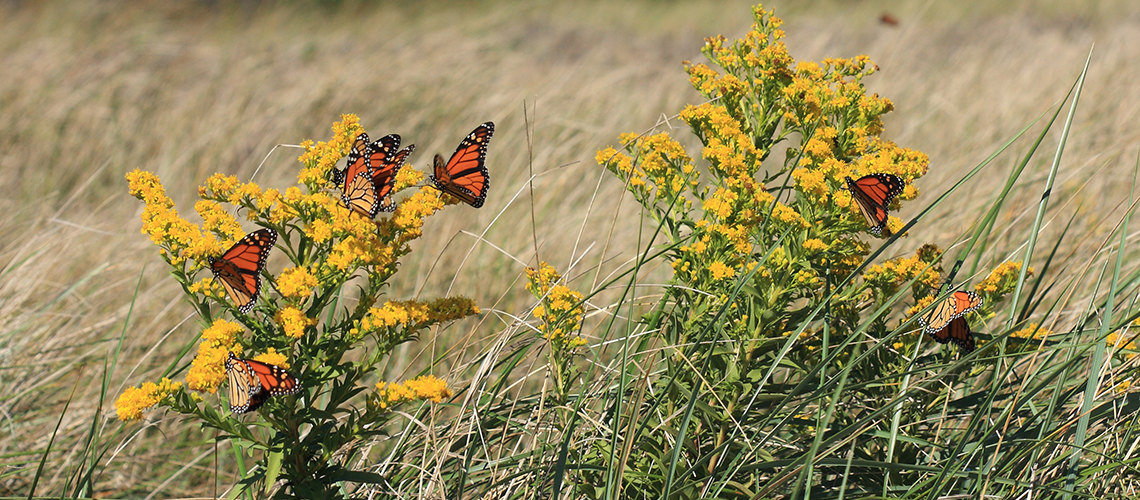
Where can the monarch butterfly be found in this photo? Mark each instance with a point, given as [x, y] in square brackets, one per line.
[360, 194]
[958, 332]
[941, 322]
[239, 269]
[465, 176]
[252, 382]
[383, 167]
[874, 193]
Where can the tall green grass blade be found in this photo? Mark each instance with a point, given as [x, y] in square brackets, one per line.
[51, 441]
[1035, 230]
[1030, 306]
[991, 215]
[84, 482]
[1097, 368]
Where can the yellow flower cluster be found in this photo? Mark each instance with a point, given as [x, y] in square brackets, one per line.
[272, 357]
[179, 239]
[720, 271]
[207, 287]
[407, 221]
[269, 204]
[407, 177]
[789, 217]
[1123, 342]
[1032, 332]
[377, 244]
[621, 164]
[320, 158]
[919, 305]
[561, 310]
[208, 369]
[293, 322]
[133, 401]
[895, 272]
[730, 152]
[296, 283]
[427, 387]
[721, 204]
[1003, 279]
[218, 221]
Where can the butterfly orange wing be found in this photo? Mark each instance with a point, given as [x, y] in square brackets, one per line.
[465, 175]
[383, 168]
[239, 269]
[874, 194]
[958, 332]
[360, 195]
[240, 388]
[956, 305]
[355, 161]
[274, 380]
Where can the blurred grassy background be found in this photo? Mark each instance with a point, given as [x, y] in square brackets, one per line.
[90, 91]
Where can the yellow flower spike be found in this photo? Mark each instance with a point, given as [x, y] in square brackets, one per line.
[427, 387]
[815, 245]
[161, 222]
[321, 157]
[451, 308]
[133, 401]
[208, 370]
[293, 321]
[414, 315]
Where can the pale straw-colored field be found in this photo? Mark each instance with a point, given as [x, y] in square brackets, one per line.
[90, 91]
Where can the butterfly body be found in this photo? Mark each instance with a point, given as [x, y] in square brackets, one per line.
[239, 268]
[465, 175]
[251, 383]
[874, 193]
[946, 322]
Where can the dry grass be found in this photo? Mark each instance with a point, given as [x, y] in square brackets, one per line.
[93, 90]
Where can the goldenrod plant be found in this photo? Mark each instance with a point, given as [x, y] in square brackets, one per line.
[784, 331]
[322, 316]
